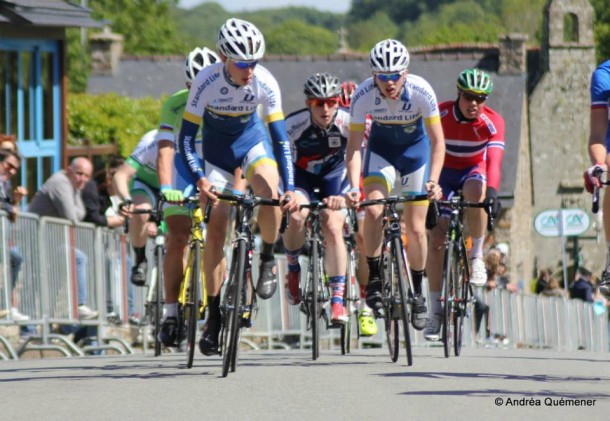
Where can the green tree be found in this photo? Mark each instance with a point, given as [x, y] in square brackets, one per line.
[363, 35]
[296, 37]
[601, 29]
[146, 24]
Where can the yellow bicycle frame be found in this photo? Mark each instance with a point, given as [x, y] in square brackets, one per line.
[196, 236]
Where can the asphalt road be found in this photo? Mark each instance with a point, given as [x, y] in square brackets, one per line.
[279, 385]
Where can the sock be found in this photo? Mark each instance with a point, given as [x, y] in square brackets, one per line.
[362, 292]
[417, 276]
[170, 310]
[292, 256]
[267, 251]
[337, 288]
[374, 263]
[477, 247]
[213, 307]
[435, 299]
[140, 254]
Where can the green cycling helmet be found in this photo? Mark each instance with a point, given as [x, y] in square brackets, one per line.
[475, 81]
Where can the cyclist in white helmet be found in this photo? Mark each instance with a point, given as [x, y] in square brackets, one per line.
[224, 97]
[406, 137]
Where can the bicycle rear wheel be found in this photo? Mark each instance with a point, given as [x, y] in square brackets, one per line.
[461, 293]
[156, 304]
[232, 310]
[403, 274]
[448, 297]
[191, 306]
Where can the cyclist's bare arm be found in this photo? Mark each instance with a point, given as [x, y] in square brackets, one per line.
[121, 180]
[165, 162]
[597, 138]
[353, 160]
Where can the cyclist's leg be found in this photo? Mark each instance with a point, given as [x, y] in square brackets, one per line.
[379, 178]
[293, 239]
[262, 174]
[414, 169]
[143, 198]
[474, 191]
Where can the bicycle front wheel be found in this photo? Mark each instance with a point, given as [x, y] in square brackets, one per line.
[350, 301]
[402, 276]
[315, 304]
[392, 332]
[157, 305]
[462, 295]
[231, 315]
[191, 306]
[448, 297]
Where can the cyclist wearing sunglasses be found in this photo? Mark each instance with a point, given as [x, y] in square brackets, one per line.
[224, 97]
[474, 141]
[599, 142]
[406, 137]
[318, 135]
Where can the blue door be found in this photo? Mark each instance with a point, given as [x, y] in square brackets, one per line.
[30, 105]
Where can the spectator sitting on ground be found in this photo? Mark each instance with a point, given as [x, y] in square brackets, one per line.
[60, 197]
[582, 288]
[552, 289]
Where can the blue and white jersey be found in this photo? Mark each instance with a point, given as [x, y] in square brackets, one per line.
[600, 91]
[397, 121]
[229, 110]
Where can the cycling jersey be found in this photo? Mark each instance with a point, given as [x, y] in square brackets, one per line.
[144, 160]
[469, 143]
[398, 139]
[169, 126]
[600, 92]
[232, 128]
[314, 149]
[318, 154]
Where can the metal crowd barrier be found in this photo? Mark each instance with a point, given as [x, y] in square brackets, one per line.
[47, 292]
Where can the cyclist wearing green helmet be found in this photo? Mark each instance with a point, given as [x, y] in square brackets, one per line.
[474, 145]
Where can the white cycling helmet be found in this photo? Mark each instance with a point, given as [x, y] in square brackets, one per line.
[197, 60]
[322, 85]
[389, 56]
[240, 40]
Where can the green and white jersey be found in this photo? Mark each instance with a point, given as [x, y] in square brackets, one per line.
[144, 159]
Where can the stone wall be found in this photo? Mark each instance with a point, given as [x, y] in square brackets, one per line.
[559, 126]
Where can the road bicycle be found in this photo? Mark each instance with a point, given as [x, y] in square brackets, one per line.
[238, 302]
[456, 292]
[397, 285]
[153, 307]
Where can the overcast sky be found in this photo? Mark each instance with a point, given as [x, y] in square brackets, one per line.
[337, 6]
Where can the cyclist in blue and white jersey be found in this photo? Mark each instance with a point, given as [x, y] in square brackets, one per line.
[599, 144]
[225, 96]
[318, 135]
[406, 136]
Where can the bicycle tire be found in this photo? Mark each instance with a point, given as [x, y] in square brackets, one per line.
[403, 275]
[231, 315]
[192, 304]
[157, 303]
[448, 298]
[349, 299]
[461, 307]
[390, 324]
[315, 305]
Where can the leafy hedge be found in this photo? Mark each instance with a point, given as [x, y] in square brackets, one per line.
[106, 118]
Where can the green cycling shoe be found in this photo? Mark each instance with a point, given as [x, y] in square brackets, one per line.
[366, 321]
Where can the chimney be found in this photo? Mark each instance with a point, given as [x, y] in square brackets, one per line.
[512, 54]
[106, 51]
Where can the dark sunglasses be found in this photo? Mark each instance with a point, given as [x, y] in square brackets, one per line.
[472, 97]
[245, 64]
[319, 102]
[10, 166]
[386, 77]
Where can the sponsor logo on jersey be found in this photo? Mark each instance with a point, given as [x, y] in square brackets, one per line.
[224, 90]
[202, 87]
[489, 123]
